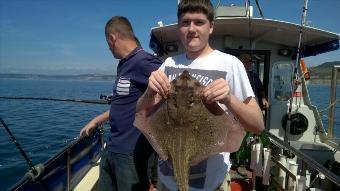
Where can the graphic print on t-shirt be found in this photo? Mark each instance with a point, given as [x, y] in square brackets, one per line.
[205, 77]
[123, 86]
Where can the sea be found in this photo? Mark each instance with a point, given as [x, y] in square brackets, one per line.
[43, 128]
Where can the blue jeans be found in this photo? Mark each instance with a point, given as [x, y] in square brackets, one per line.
[120, 172]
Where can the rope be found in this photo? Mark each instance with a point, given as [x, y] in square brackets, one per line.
[330, 105]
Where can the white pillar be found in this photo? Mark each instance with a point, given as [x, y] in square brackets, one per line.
[301, 183]
[266, 166]
[293, 167]
[308, 174]
[282, 173]
[253, 157]
[258, 159]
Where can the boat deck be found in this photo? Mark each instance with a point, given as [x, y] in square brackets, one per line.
[90, 180]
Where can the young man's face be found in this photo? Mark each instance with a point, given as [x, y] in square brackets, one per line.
[194, 31]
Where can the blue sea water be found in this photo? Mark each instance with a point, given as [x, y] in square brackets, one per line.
[44, 128]
[320, 97]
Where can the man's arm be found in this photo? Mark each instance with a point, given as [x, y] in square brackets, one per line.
[90, 126]
[248, 113]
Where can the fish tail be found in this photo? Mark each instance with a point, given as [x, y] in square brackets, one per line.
[181, 172]
[181, 168]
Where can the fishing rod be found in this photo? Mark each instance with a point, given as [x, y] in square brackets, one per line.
[259, 8]
[103, 99]
[295, 73]
[34, 171]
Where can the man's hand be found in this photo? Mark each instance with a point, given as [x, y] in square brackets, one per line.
[88, 129]
[265, 103]
[100, 119]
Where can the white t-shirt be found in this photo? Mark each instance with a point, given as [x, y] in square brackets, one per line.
[208, 174]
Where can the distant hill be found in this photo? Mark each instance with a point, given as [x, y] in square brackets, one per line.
[323, 71]
[319, 74]
[59, 77]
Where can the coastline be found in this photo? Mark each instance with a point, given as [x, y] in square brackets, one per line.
[97, 77]
[87, 77]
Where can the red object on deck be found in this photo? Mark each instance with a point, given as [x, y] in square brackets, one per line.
[240, 185]
[297, 94]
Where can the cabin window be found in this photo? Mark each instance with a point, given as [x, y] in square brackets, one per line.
[281, 81]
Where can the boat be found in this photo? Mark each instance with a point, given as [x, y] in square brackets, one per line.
[298, 140]
[67, 169]
[301, 153]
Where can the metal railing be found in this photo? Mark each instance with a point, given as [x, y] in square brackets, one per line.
[335, 72]
[306, 160]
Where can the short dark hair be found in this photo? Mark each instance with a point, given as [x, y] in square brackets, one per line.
[196, 6]
[120, 25]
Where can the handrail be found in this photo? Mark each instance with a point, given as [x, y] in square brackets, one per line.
[335, 71]
[288, 172]
[307, 159]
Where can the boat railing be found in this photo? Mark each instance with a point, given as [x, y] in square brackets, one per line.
[69, 158]
[335, 75]
[329, 137]
[65, 170]
[294, 173]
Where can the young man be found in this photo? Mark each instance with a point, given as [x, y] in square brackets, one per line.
[124, 162]
[226, 83]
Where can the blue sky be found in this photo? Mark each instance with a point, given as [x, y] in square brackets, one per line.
[67, 36]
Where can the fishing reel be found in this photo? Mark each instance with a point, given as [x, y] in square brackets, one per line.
[107, 98]
[298, 123]
[35, 172]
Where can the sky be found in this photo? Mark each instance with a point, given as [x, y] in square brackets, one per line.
[66, 37]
